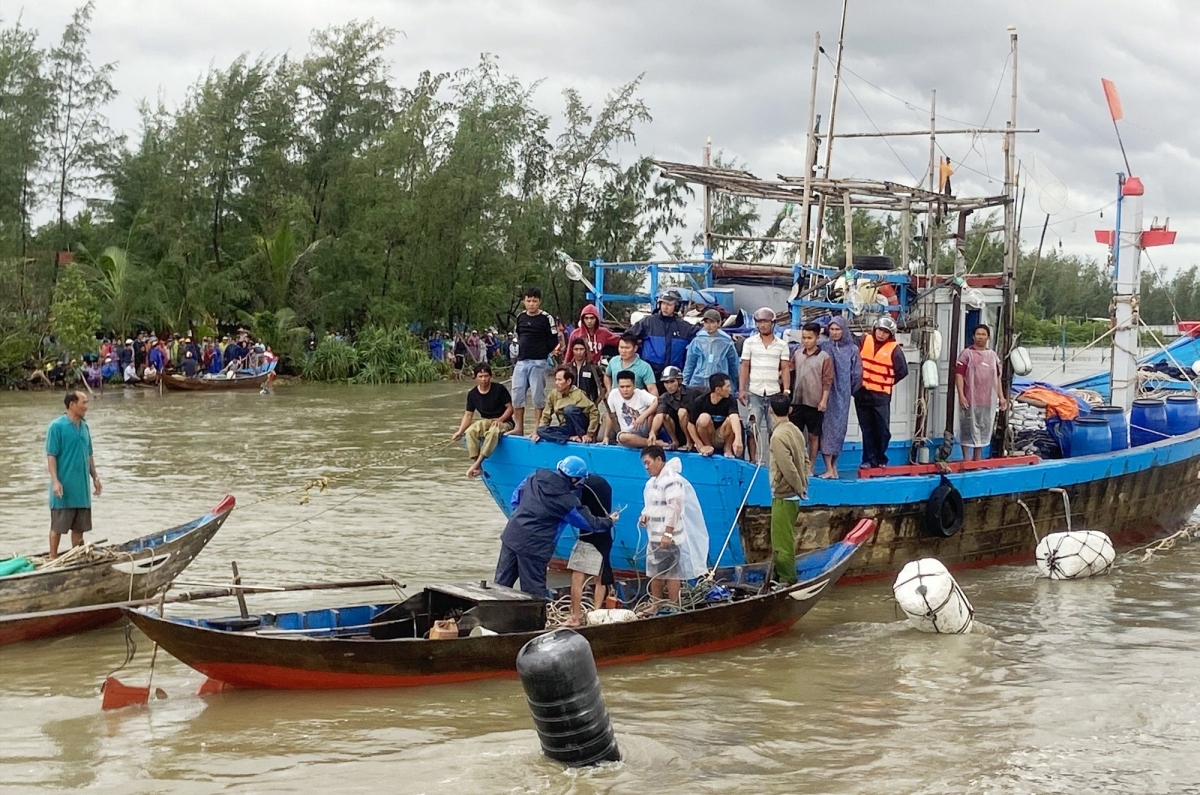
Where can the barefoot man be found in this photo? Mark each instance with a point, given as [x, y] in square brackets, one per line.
[495, 408]
[70, 463]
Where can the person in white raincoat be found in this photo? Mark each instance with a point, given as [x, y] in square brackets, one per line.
[678, 537]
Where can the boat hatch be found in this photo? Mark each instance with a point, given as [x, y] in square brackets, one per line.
[475, 604]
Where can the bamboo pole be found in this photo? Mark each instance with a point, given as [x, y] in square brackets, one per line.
[837, 82]
[810, 152]
[959, 131]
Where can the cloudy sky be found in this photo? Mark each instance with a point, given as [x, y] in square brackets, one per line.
[739, 72]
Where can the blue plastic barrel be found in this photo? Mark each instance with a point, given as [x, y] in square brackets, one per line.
[1183, 414]
[1147, 422]
[1089, 436]
[1117, 424]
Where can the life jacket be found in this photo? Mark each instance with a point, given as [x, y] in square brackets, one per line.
[879, 374]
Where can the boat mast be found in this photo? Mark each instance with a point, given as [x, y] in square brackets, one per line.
[837, 82]
[1126, 252]
[810, 152]
[1012, 249]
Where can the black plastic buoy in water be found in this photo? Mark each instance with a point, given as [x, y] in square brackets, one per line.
[562, 687]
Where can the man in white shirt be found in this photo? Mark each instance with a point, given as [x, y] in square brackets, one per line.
[130, 374]
[633, 408]
[766, 370]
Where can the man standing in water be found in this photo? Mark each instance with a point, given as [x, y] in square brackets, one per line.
[980, 388]
[69, 462]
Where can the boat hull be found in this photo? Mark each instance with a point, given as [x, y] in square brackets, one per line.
[53, 602]
[1134, 495]
[178, 383]
[250, 660]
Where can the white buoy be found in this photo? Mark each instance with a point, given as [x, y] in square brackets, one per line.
[1074, 554]
[931, 598]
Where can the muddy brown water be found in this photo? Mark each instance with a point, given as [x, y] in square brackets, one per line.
[1067, 687]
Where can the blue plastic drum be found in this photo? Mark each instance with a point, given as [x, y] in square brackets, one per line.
[1183, 414]
[1089, 436]
[1117, 424]
[1147, 422]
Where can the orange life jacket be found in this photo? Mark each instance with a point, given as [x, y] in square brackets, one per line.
[879, 374]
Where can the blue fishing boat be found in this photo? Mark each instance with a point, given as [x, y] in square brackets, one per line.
[929, 502]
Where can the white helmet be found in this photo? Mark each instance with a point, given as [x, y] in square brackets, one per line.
[764, 313]
[885, 322]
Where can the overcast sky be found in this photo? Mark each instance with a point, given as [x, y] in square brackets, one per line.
[739, 73]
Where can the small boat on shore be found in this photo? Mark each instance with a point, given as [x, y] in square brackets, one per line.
[77, 591]
[242, 379]
[388, 645]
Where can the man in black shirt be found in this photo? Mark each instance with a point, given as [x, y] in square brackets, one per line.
[713, 420]
[495, 407]
[537, 340]
[673, 404]
[591, 553]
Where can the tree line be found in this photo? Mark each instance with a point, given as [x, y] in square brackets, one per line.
[320, 192]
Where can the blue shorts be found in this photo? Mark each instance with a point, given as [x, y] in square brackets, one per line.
[529, 374]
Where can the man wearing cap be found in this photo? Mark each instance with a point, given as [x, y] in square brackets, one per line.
[884, 365]
[664, 335]
[710, 351]
[672, 414]
[544, 500]
[766, 371]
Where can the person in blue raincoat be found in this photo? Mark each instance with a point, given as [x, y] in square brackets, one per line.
[664, 335]
[711, 351]
[545, 500]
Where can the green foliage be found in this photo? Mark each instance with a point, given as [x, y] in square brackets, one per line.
[74, 317]
[392, 356]
[277, 330]
[333, 360]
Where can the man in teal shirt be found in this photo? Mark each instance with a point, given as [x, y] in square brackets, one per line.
[643, 374]
[69, 461]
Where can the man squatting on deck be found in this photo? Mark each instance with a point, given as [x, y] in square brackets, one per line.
[69, 461]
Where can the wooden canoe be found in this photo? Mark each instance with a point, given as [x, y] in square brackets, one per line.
[48, 602]
[181, 383]
[383, 645]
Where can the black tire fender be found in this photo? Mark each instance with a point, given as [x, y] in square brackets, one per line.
[944, 510]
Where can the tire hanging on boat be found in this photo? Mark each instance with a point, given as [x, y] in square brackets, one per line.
[1074, 554]
[932, 599]
[944, 510]
[562, 688]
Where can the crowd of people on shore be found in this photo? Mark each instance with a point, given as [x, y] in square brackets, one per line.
[143, 359]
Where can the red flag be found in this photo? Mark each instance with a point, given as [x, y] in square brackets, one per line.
[1114, 101]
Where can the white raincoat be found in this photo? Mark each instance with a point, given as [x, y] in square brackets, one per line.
[671, 501]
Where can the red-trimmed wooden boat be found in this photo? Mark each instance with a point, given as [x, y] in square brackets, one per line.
[218, 383]
[384, 645]
[80, 595]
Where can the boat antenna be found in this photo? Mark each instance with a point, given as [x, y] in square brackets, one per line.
[837, 82]
[1114, 110]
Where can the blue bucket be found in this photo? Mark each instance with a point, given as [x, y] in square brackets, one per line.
[1117, 424]
[1089, 436]
[1147, 422]
[1183, 414]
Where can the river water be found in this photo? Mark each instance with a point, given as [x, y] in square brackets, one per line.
[1067, 687]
